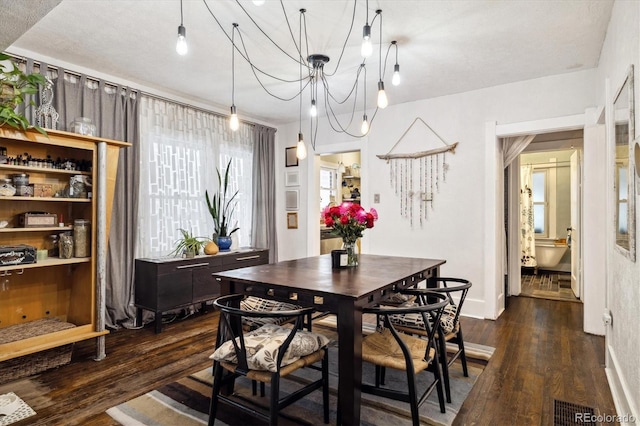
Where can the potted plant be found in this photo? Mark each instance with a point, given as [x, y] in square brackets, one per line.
[189, 245]
[14, 86]
[221, 207]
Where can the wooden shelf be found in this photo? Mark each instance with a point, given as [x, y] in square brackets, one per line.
[46, 263]
[66, 289]
[55, 199]
[39, 229]
[42, 170]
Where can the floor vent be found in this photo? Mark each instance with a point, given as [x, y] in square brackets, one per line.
[569, 414]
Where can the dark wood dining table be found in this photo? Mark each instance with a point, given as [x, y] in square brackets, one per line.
[345, 292]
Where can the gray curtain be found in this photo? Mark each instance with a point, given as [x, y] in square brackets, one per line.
[263, 223]
[114, 111]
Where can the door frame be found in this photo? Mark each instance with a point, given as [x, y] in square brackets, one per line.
[495, 246]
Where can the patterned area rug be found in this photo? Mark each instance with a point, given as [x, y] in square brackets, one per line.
[548, 285]
[186, 401]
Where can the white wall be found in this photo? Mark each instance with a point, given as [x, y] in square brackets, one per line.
[621, 49]
[455, 229]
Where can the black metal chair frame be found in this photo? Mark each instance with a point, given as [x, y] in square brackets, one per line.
[431, 313]
[230, 328]
[462, 286]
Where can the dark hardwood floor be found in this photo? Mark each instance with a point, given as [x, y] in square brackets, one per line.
[541, 355]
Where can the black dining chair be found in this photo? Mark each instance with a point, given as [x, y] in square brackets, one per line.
[266, 354]
[455, 290]
[390, 348]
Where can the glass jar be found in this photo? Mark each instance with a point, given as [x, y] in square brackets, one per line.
[52, 245]
[6, 187]
[81, 238]
[83, 126]
[65, 246]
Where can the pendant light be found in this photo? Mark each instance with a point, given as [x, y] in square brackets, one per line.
[234, 124]
[301, 150]
[181, 45]
[366, 48]
[364, 127]
[395, 80]
[382, 95]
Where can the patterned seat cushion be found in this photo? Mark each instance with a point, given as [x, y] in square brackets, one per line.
[253, 303]
[263, 344]
[447, 320]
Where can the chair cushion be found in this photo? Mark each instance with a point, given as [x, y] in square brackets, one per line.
[447, 320]
[253, 303]
[381, 348]
[264, 343]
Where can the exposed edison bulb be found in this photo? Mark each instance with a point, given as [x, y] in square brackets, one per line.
[382, 96]
[234, 123]
[301, 149]
[314, 109]
[258, 2]
[367, 47]
[395, 80]
[181, 45]
[364, 128]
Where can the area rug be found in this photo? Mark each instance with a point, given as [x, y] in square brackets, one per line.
[186, 401]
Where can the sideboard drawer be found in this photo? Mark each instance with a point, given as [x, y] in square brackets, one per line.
[242, 260]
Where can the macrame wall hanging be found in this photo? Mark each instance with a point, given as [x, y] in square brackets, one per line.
[416, 177]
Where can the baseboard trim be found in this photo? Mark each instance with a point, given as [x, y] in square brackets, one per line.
[626, 410]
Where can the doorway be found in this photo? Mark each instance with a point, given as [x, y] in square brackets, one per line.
[549, 228]
[339, 180]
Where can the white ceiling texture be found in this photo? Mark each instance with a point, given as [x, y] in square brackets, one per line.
[445, 46]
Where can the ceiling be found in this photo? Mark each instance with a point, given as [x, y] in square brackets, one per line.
[445, 47]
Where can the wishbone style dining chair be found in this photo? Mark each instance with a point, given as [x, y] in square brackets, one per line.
[455, 290]
[266, 354]
[390, 348]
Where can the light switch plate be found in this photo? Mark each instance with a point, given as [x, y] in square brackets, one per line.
[376, 198]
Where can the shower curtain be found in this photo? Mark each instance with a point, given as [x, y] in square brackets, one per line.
[527, 233]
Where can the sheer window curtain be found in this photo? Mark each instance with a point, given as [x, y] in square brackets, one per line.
[180, 150]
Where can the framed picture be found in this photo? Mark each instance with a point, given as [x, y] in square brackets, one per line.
[292, 178]
[292, 220]
[291, 199]
[290, 158]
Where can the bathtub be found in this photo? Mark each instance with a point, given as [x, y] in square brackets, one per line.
[548, 255]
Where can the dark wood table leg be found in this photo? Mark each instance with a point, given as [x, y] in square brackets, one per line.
[158, 322]
[349, 363]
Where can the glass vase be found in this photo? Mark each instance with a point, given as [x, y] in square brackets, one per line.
[352, 252]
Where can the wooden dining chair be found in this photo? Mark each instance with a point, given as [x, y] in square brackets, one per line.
[267, 355]
[390, 348]
[455, 290]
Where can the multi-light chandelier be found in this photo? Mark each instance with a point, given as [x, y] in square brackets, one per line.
[312, 74]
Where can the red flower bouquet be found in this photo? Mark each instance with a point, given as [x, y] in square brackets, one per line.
[348, 221]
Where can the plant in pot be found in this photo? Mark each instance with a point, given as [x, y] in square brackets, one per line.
[188, 245]
[221, 207]
[14, 86]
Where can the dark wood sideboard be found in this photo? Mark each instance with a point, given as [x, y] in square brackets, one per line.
[164, 284]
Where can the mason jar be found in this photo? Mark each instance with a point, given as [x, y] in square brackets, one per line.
[65, 245]
[81, 238]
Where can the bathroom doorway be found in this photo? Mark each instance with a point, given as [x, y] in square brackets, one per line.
[549, 222]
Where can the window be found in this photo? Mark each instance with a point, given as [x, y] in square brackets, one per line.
[540, 203]
[327, 186]
[180, 150]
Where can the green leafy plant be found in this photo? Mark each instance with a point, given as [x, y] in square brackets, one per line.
[189, 244]
[14, 86]
[221, 206]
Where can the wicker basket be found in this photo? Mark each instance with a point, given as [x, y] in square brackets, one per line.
[28, 365]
